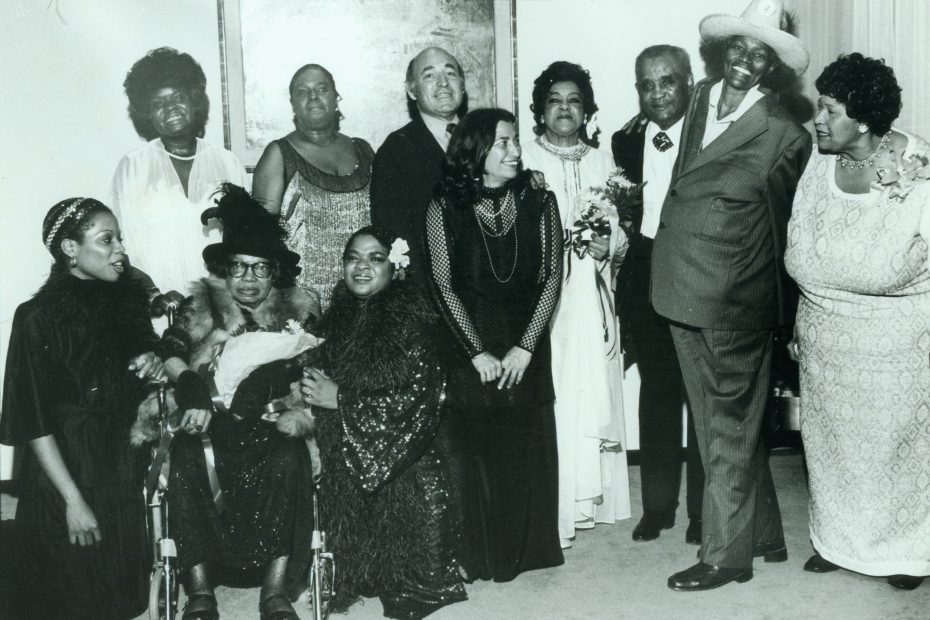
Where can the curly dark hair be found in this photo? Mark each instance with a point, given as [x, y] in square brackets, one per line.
[71, 226]
[563, 71]
[165, 67]
[463, 170]
[779, 79]
[866, 86]
[385, 236]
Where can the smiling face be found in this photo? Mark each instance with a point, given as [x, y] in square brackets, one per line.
[100, 254]
[663, 90]
[314, 100]
[436, 83]
[746, 61]
[366, 269]
[503, 160]
[564, 113]
[248, 289]
[836, 132]
[171, 112]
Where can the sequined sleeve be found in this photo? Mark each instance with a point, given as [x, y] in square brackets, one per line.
[550, 273]
[387, 431]
[439, 275]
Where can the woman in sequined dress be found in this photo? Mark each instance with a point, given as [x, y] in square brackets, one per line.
[262, 469]
[317, 179]
[494, 265]
[376, 388]
[594, 484]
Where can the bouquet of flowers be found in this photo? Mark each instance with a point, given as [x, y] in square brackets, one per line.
[904, 177]
[595, 208]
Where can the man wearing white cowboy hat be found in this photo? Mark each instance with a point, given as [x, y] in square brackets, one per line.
[717, 275]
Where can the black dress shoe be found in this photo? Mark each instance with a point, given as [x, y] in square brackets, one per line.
[693, 533]
[904, 582]
[816, 564]
[774, 551]
[649, 527]
[703, 576]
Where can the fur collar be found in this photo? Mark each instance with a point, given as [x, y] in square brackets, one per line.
[369, 343]
[214, 316]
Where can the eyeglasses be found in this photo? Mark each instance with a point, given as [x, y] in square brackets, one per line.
[159, 104]
[259, 270]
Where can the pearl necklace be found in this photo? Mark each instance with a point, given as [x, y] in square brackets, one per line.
[180, 157]
[860, 164]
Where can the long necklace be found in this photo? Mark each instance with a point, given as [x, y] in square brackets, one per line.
[860, 164]
[485, 207]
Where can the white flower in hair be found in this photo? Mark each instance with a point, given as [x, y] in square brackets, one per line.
[398, 254]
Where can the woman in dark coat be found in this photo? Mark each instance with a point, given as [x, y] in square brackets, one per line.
[262, 469]
[494, 262]
[79, 353]
[376, 388]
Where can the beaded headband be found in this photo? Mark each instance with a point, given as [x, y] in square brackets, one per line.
[72, 209]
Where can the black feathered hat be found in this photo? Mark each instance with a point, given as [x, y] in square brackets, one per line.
[247, 229]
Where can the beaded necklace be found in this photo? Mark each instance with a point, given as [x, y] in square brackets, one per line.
[486, 215]
[860, 164]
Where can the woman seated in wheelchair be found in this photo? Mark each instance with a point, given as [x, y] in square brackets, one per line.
[240, 497]
[80, 353]
[375, 385]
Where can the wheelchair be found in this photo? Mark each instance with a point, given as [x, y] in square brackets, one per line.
[321, 582]
[163, 584]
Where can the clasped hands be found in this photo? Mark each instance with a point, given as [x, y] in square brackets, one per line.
[509, 371]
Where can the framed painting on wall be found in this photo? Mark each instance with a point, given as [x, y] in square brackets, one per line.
[365, 44]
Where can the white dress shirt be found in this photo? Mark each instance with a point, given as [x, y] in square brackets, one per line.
[715, 127]
[657, 173]
[439, 128]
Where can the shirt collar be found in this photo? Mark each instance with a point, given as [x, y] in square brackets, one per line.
[752, 96]
[437, 127]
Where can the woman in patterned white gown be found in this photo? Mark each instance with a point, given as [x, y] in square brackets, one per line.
[586, 364]
[857, 250]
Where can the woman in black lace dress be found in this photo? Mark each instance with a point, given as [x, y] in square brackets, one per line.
[494, 254]
[376, 388]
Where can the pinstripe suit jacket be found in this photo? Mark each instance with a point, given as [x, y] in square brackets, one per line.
[717, 261]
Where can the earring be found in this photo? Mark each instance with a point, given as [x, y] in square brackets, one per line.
[72, 262]
[862, 128]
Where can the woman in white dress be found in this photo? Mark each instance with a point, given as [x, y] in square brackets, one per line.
[586, 363]
[161, 188]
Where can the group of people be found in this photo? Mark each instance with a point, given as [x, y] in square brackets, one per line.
[420, 333]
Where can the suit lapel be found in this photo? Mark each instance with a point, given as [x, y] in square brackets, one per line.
[427, 146]
[749, 125]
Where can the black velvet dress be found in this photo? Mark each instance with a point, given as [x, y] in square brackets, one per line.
[385, 489]
[496, 281]
[67, 376]
[265, 476]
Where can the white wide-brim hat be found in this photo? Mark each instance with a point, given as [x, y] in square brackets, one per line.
[761, 20]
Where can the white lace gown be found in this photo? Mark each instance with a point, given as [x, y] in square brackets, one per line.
[160, 225]
[586, 364]
[863, 329]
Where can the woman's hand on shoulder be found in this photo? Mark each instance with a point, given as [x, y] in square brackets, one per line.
[319, 390]
[488, 367]
[514, 365]
[82, 524]
[148, 366]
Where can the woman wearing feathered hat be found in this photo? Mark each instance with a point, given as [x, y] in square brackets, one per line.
[718, 276]
[253, 510]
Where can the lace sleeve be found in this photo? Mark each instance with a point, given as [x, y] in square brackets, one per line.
[439, 275]
[550, 273]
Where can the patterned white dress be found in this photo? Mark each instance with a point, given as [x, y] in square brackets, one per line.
[586, 364]
[863, 328]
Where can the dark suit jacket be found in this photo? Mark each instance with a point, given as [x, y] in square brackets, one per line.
[405, 170]
[717, 261]
[628, 153]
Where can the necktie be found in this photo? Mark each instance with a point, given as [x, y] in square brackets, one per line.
[450, 128]
[662, 142]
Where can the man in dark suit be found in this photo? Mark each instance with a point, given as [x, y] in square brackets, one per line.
[648, 153]
[409, 163]
[717, 275]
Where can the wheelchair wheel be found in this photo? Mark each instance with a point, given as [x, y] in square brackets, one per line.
[163, 594]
